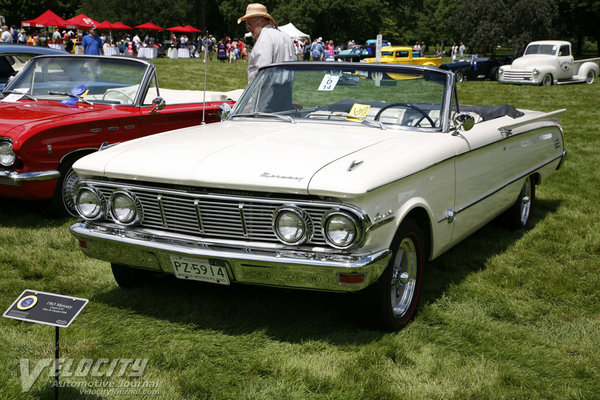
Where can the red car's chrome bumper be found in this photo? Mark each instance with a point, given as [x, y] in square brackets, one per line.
[28, 185]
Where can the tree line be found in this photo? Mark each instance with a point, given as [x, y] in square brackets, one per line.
[482, 24]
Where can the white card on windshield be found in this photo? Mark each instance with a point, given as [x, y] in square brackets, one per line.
[328, 83]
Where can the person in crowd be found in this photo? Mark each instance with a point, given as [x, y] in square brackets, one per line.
[331, 49]
[221, 51]
[306, 55]
[15, 33]
[417, 50]
[453, 52]
[91, 43]
[272, 45]
[42, 38]
[210, 46]
[22, 37]
[6, 36]
[316, 50]
[56, 37]
[461, 49]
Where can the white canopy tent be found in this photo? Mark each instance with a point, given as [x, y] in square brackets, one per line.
[294, 32]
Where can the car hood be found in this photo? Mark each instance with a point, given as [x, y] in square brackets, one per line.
[528, 62]
[302, 158]
[32, 113]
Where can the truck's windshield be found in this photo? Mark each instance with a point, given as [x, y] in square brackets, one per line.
[548, 49]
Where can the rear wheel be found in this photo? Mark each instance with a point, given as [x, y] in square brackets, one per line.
[394, 298]
[520, 215]
[589, 78]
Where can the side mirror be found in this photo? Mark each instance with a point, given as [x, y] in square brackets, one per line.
[463, 120]
[158, 104]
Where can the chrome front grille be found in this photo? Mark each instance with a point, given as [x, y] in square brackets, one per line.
[518, 75]
[214, 215]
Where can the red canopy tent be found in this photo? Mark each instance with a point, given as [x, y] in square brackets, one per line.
[120, 26]
[105, 25]
[191, 28]
[150, 26]
[82, 21]
[177, 29]
[46, 19]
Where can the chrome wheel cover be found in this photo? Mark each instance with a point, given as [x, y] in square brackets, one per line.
[526, 201]
[404, 277]
[68, 191]
[590, 77]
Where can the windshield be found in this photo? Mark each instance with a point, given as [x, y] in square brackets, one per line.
[549, 49]
[105, 80]
[386, 94]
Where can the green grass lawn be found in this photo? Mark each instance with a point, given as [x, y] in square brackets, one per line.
[505, 315]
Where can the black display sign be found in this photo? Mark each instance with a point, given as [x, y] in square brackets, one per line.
[46, 308]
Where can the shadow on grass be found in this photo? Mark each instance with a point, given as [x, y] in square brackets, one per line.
[16, 213]
[294, 316]
[67, 393]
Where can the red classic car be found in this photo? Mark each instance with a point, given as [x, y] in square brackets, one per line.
[62, 107]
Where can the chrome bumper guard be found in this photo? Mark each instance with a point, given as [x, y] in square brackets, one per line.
[13, 178]
[245, 264]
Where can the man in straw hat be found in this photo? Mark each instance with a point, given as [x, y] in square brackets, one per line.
[272, 45]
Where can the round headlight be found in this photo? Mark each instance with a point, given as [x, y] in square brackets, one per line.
[89, 203]
[124, 208]
[340, 230]
[535, 71]
[7, 157]
[292, 225]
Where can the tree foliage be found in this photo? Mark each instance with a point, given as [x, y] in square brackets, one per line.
[480, 24]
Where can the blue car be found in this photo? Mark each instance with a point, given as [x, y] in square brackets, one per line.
[14, 56]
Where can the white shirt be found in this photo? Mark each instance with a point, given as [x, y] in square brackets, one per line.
[6, 36]
[272, 46]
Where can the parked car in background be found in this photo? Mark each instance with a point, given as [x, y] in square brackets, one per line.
[370, 46]
[353, 54]
[14, 56]
[403, 55]
[549, 62]
[62, 107]
[471, 67]
[338, 177]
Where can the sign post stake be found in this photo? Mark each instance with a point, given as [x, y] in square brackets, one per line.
[56, 348]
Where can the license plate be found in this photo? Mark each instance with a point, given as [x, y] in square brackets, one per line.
[200, 269]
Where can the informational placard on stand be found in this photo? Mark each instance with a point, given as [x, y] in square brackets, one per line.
[46, 308]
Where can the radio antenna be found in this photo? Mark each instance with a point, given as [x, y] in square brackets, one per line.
[205, 66]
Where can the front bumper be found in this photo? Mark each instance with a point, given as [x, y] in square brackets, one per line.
[13, 178]
[249, 264]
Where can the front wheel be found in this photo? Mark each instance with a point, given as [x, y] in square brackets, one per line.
[128, 277]
[394, 298]
[459, 76]
[62, 202]
[547, 80]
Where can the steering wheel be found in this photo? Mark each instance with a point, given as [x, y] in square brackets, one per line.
[119, 93]
[410, 107]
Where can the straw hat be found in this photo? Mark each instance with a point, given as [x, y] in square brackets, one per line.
[257, 10]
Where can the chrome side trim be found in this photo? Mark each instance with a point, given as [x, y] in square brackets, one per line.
[13, 178]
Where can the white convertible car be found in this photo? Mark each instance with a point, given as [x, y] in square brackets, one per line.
[340, 178]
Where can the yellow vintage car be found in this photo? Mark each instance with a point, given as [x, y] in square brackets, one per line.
[403, 55]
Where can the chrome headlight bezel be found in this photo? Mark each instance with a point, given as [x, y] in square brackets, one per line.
[134, 210]
[7, 155]
[100, 210]
[357, 227]
[535, 71]
[303, 219]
